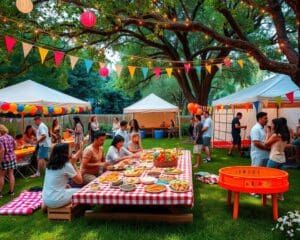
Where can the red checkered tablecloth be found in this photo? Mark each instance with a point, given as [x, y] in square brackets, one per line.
[109, 196]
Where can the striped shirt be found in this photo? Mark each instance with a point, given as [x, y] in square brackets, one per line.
[7, 143]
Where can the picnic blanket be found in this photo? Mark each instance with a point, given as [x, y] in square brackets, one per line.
[25, 204]
[207, 177]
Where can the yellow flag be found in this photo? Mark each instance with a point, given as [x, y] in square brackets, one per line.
[265, 103]
[241, 63]
[118, 69]
[169, 71]
[73, 61]
[43, 53]
[251, 59]
[131, 70]
[278, 100]
[208, 68]
[26, 48]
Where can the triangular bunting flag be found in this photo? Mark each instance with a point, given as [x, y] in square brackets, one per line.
[10, 43]
[247, 106]
[265, 103]
[198, 70]
[157, 72]
[43, 53]
[187, 67]
[290, 96]
[73, 61]
[220, 66]
[58, 57]
[208, 68]
[26, 48]
[251, 59]
[278, 100]
[145, 72]
[256, 105]
[88, 64]
[226, 108]
[169, 71]
[241, 63]
[227, 62]
[102, 64]
[118, 69]
[131, 70]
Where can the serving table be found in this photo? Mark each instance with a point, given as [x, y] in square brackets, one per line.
[139, 199]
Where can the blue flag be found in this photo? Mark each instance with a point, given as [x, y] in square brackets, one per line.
[88, 64]
[145, 71]
[256, 105]
[198, 69]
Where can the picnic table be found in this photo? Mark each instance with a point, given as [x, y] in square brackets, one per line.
[172, 201]
[20, 153]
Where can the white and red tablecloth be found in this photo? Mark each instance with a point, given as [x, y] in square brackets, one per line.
[110, 196]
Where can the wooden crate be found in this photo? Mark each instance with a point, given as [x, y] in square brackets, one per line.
[67, 212]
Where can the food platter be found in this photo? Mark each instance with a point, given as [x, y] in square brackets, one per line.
[133, 180]
[94, 187]
[110, 177]
[133, 173]
[167, 178]
[116, 168]
[172, 171]
[179, 186]
[148, 180]
[154, 173]
[116, 184]
[155, 188]
[128, 187]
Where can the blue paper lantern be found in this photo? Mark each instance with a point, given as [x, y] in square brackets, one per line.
[20, 108]
[50, 109]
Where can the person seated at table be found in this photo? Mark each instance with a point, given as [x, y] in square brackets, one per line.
[93, 161]
[172, 129]
[117, 152]
[135, 145]
[30, 135]
[61, 166]
[20, 143]
[122, 131]
[55, 132]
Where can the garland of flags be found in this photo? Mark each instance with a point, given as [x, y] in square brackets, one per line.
[103, 71]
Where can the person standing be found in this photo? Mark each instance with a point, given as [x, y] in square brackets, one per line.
[44, 142]
[8, 160]
[122, 131]
[259, 151]
[236, 133]
[115, 125]
[93, 160]
[198, 140]
[93, 128]
[78, 131]
[207, 134]
[55, 132]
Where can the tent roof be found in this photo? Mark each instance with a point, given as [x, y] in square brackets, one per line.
[277, 85]
[32, 93]
[151, 103]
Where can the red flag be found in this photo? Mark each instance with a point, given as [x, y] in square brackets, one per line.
[10, 43]
[290, 96]
[58, 57]
[227, 62]
[157, 72]
[187, 67]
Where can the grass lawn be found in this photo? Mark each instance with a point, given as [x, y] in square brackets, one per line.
[212, 218]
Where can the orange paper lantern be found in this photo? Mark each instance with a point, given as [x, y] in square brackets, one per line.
[24, 6]
[190, 107]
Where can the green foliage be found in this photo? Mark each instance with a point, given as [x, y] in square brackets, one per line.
[185, 129]
[105, 127]
[12, 128]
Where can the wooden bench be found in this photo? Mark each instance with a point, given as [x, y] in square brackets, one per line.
[67, 212]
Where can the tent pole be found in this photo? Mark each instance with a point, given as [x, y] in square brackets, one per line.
[23, 123]
[179, 123]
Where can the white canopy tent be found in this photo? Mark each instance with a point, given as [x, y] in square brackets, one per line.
[268, 90]
[33, 93]
[152, 110]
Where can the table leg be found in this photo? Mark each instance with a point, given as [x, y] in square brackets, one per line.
[275, 206]
[264, 199]
[229, 194]
[236, 205]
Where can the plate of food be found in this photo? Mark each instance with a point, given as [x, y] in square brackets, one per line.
[148, 180]
[154, 173]
[155, 188]
[167, 178]
[128, 162]
[145, 165]
[128, 187]
[133, 173]
[116, 184]
[94, 187]
[146, 157]
[110, 177]
[179, 186]
[133, 180]
[172, 171]
[119, 167]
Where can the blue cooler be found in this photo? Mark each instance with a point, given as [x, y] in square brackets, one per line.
[142, 134]
[158, 134]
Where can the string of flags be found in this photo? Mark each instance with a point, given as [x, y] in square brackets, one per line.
[103, 69]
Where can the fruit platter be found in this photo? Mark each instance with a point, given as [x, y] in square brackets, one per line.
[165, 158]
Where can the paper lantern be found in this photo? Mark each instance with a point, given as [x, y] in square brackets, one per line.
[50, 110]
[199, 111]
[24, 6]
[39, 109]
[63, 110]
[190, 107]
[88, 19]
[13, 107]
[33, 110]
[103, 72]
[26, 108]
[196, 107]
[77, 110]
[4, 106]
[81, 110]
[57, 110]
[20, 108]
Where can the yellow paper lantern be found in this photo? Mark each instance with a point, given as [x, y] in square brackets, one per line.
[24, 6]
[45, 111]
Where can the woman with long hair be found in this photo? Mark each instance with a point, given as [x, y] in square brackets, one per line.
[278, 141]
[55, 132]
[30, 135]
[78, 131]
[93, 127]
[135, 129]
[61, 166]
[171, 130]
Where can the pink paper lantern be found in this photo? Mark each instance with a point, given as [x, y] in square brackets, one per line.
[104, 72]
[88, 19]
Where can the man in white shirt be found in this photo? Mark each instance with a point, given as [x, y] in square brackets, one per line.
[259, 152]
[122, 131]
[44, 144]
[207, 134]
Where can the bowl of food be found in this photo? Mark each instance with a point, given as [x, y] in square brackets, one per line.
[128, 187]
[94, 187]
[116, 184]
[148, 180]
